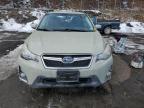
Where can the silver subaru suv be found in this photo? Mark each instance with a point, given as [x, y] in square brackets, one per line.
[65, 50]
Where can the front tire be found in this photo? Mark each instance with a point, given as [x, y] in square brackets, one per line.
[107, 30]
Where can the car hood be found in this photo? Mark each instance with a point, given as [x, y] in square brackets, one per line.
[41, 42]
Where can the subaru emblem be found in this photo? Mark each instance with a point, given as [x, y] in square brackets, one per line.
[67, 59]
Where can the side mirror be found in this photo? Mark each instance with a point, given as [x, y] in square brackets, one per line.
[34, 25]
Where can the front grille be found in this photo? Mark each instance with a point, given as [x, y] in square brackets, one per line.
[56, 61]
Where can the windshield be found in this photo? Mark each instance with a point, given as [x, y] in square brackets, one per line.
[66, 22]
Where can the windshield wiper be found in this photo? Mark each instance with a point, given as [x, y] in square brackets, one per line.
[43, 29]
[74, 30]
[77, 30]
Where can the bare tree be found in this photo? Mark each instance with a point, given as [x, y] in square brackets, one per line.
[48, 5]
[115, 4]
[81, 4]
[133, 4]
[98, 4]
[62, 3]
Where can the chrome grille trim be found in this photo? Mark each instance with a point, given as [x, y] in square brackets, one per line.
[90, 57]
[53, 58]
[60, 59]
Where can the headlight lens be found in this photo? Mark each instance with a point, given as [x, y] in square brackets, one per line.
[105, 55]
[27, 55]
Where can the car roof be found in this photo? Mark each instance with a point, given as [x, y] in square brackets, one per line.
[66, 12]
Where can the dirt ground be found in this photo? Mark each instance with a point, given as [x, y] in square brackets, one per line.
[127, 86]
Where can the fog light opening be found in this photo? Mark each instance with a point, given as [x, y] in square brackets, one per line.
[110, 69]
[94, 80]
[108, 76]
[22, 76]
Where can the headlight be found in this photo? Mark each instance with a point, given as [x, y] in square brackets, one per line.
[27, 55]
[105, 55]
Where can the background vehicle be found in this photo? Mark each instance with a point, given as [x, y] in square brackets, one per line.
[102, 23]
[106, 26]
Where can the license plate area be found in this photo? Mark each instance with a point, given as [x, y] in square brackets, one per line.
[67, 76]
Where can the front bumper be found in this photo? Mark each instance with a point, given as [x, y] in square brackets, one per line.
[43, 82]
[37, 76]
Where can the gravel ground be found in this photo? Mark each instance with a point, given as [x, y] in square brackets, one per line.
[127, 84]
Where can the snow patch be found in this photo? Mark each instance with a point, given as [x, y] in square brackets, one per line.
[12, 25]
[8, 63]
[38, 13]
[131, 27]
